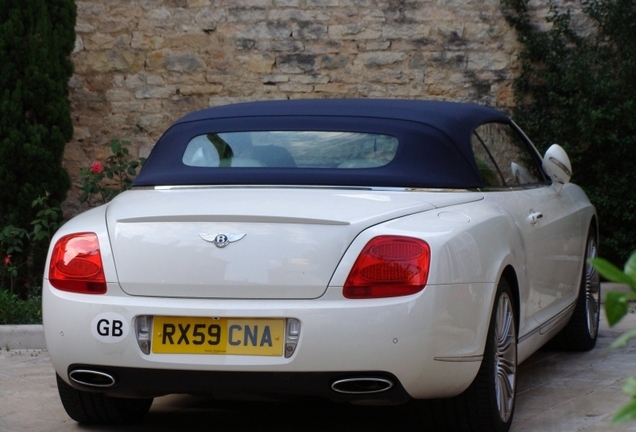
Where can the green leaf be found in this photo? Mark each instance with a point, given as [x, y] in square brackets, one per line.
[630, 267]
[115, 146]
[615, 307]
[629, 386]
[612, 273]
[622, 340]
[625, 413]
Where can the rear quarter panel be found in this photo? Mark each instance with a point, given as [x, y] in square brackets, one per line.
[471, 245]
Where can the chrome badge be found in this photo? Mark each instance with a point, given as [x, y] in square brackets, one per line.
[222, 240]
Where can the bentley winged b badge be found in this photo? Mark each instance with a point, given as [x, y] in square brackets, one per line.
[222, 240]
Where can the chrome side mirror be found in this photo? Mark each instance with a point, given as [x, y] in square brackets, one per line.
[556, 164]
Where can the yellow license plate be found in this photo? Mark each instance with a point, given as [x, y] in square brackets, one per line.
[225, 336]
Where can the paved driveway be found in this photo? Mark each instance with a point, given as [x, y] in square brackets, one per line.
[557, 392]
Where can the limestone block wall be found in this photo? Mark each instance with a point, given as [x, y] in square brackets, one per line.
[141, 64]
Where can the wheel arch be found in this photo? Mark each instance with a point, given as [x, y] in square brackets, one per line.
[510, 276]
[594, 224]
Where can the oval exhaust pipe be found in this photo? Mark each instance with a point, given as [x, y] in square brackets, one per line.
[363, 385]
[92, 378]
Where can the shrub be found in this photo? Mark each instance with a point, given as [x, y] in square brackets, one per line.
[101, 182]
[36, 39]
[17, 265]
[15, 310]
[580, 91]
[616, 307]
[20, 300]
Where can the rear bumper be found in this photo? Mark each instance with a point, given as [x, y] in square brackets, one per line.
[130, 382]
[430, 342]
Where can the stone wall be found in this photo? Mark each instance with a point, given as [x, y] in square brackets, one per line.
[141, 64]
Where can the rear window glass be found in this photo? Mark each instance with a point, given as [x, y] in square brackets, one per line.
[290, 149]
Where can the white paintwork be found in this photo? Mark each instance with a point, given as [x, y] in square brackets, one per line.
[337, 334]
[556, 164]
[299, 247]
[293, 240]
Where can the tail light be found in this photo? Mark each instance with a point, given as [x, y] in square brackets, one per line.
[389, 266]
[76, 264]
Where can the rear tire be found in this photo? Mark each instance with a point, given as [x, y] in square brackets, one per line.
[488, 404]
[581, 332]
[97, 408]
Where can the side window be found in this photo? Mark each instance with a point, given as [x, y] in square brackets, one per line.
[487, 168]
[508, 155]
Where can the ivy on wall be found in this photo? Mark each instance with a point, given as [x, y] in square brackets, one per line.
[579, 90]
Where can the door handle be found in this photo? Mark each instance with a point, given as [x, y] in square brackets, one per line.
[534, 217]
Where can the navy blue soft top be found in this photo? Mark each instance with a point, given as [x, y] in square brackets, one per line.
[434, 142]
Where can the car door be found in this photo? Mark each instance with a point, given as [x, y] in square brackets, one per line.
[547, 226]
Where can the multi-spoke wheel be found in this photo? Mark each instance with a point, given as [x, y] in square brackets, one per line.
[581, 332]
[488, 404]
[494, 390]
[592, 286]
[505, 363]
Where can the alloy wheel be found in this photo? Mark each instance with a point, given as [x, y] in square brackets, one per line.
[592, 289]
[505, 357]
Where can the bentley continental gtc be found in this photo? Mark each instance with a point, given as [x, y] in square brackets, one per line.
[365, 251]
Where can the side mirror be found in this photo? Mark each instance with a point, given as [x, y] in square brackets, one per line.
[556, 164]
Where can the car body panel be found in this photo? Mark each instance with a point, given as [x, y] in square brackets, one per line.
[459, 292]
[279, 257]
[402, 335]
[555, 244]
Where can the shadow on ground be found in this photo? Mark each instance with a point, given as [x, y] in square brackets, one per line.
[198, 414]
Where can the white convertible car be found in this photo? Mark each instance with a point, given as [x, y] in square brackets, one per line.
[365, 251]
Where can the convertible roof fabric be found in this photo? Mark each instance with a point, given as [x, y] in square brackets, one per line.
[434, 150]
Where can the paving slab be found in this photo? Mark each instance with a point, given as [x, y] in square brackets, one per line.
[557, 392]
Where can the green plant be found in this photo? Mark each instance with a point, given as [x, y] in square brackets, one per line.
[23, 254]
[36, 40]
[15, 310]
[616, 307]
[46, 222]
[12, 240]
[580, 90]
[23, 251]
[103, 182]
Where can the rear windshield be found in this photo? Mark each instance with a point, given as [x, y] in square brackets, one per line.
[290, 149]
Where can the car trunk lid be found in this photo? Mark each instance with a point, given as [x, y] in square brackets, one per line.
[257, 243]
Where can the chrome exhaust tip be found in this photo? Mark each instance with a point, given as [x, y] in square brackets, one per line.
[363, 385]
[92, 378]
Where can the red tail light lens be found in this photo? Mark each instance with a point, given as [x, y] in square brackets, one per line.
[76, 264]
[389, 266]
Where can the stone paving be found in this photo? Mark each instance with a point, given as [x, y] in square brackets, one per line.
[557, 392]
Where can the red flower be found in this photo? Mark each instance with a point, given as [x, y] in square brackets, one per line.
[7, 260]
[97, 167]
